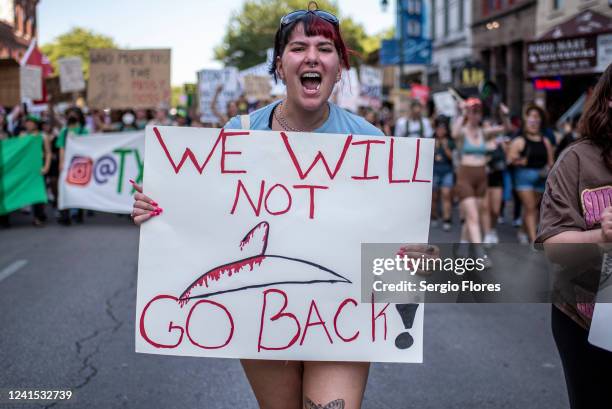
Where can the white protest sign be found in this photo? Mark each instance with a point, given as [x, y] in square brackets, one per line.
[71, 74]
[371, 80]
[31, 82]
[604, 51]
[257, 252]
[97, 169]
[347, 90]
[208, 81]
[445, 72]
[600, 333]
[445, 103]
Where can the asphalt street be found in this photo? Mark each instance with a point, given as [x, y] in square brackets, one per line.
[67, 312]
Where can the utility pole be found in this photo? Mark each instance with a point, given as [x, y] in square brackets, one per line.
[400, 12]
[401, 25]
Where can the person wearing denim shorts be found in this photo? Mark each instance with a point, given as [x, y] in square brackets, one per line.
[443, 178]
[532, 154]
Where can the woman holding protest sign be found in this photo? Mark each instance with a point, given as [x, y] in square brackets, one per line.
[231, 108]
[576, 208]
[309, 55]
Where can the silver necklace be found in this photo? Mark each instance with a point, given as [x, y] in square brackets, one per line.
[283, 122]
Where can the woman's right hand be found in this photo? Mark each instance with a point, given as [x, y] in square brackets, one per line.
[144, 207]
[606, 224]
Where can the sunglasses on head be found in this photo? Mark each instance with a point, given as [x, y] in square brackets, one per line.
[298, 14]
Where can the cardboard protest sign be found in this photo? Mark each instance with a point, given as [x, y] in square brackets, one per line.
[257, 251]
[257, 87]
[10, 92]
[208, 81]
[97, 169]
[122, 79]
[261, 70]
[401, 101]
[31, 82]
[71, 74]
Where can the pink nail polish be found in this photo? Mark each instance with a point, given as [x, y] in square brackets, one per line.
[159, 209]
[132, 181]
[154, 203]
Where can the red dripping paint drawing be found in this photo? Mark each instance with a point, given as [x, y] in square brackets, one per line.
[254, 271]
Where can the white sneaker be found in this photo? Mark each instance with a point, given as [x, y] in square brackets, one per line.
[488, 240]
[522, 237]
[494, 237]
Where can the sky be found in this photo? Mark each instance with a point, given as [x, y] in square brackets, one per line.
[191, 28]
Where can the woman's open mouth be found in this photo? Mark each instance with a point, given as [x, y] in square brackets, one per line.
[311, 82]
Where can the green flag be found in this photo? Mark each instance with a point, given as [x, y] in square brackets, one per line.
[21, 183]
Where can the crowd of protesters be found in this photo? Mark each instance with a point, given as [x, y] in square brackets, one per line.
[481, 163]
[484, 163]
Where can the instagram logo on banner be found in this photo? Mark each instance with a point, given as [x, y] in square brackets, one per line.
[79, 172]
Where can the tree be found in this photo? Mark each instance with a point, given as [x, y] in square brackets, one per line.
[373, 43]
[250, 32]
[76, 43]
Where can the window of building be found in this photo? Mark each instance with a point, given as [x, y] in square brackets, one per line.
[557, 4]
[446, 18]
[414, 7]
[461, 14]
[414, 28]
[489, 6]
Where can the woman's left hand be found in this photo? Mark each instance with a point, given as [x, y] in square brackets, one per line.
[415, 251]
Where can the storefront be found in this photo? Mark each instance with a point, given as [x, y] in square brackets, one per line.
[566, 62]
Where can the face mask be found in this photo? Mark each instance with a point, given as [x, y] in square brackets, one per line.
[128, 118]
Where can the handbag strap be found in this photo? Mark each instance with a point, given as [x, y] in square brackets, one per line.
[245, 121]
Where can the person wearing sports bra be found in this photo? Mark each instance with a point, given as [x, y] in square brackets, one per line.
[472, 174]
[532, 155]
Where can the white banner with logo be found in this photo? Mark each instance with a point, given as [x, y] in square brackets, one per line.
[97, 170]
[257, 253]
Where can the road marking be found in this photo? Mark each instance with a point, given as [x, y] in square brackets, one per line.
[12, 268]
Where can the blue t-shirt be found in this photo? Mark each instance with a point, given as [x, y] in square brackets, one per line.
[339, 121]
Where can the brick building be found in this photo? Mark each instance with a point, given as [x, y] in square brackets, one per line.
[500, 29]
[17, 27]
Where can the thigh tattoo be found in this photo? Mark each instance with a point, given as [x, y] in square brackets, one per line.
[335, 404]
